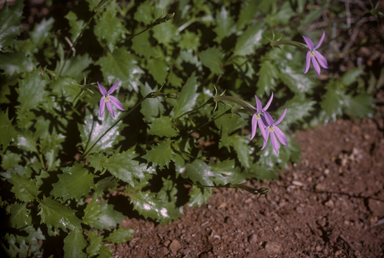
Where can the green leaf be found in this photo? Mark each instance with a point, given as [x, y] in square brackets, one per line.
[74, 243]
[249, 40]
[151, 107]
[120, 236]
[212, 58]
[160, 154]
[95, 243]
[55, 214]
[165, 32]
[359, 106]
[248, 12]
[296, 80]
[25, 189]
[298, 108]
[226, 172]
[17, 62]
[162, 126]
[225, 25]
[198, 172]
[109, 28]
[75, 24]
[75, 182]
[7, 130]
[20, 216]
[10, 19]
[332, 102]
[10, 160]
[351, 76]
[26, 141]
[95, 126]
[105, 252]
[105, 184]
[101, 215]
[144, 13]
[41, 32]
[187, 97]
[75, 66]
[122, 166]
[189, 40]
[267, 78]
[158, 69]
[121, 65]
[142, 46]
[282, 16]
[199, 196]
[242, 148]
[66, 87]
[50, 146]
[31, 91]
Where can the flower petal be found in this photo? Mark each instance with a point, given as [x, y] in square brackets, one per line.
[113, 88]
[280, 135]
[117, 103]
[265, 138]
[275, 143]
[102, 106]
[309, 43]
[102, 90]
[268, 119]
[254, 126]
[262, 127]
[269, 103]
[308, 63]
[281, 117]
[322, 61]
[315, 65]
[259, 106]
[321, 41]
[110, 108]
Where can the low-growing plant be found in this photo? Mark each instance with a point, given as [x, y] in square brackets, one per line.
[179, 118]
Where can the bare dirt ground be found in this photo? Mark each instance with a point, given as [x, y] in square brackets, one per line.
[331, 204]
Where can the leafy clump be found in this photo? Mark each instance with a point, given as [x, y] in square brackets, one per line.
[183, 75]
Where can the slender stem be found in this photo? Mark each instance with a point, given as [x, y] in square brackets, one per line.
[150, 95]
[195, 109]
[213, 119]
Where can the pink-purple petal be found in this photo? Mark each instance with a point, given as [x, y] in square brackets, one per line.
[281, 117]
[309, 43]
[266, 138]
[102, 90]
[102, 106]
[110, 108]
[308, 63]
[254, 127]
[321, 41]
[117, 103]
[269, 103]
[259, 106]
[275, 143]
[113, 88]
[262, 127]
[280, 135]
[322, 61]
[315, 65]
[268, 119]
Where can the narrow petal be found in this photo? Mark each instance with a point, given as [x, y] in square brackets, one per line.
[262, 128]
[110, 108]
[266, 138]
[280, 135]
[321, 41]
[322, 61]
[268, 119]
[117, 103]
[275, 143]
[113, 88]
[308, 63]
[269, 103]
[315, 65]
[259, 106]
[254, 126]
[102, 90]
[309, 43]
[281, 117]
[102, 106]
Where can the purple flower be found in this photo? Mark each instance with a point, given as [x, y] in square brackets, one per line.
[274, 131]
[314, 56]
[106, 99]
[256, 118]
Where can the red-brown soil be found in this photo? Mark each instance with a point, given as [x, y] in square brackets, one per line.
[331, 204]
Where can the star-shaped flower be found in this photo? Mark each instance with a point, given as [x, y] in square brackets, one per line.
[256, 118]
[314, 56]
[106, 99]
[274, 131]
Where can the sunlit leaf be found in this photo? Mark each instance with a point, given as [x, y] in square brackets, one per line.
[187, 97]
[101, 215]
[162, 126]
[31, 91]
[75, 24]
[120, 236]
[41, 31]
[160, 154]
[158, 69]
[249, 40]
[211, 58]
[225, 25]
[74, 243]
[20, 215]
[10, 18]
